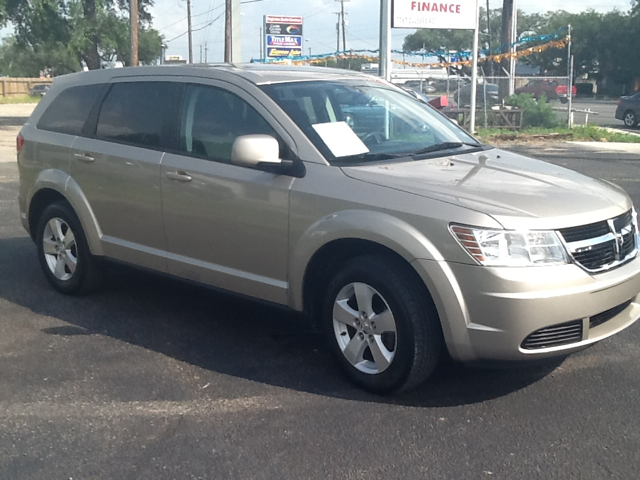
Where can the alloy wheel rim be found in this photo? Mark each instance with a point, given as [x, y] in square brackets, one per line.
[365, 328]
[629, 119]
[60, 249]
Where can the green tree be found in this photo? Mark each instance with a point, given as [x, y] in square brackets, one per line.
[24, 60]
[92, 31]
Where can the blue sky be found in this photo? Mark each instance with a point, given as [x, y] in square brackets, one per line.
[319, 22]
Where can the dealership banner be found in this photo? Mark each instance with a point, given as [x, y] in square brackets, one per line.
[283, 36]
[456, 14]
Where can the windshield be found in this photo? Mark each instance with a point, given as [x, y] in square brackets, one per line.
[367, 121]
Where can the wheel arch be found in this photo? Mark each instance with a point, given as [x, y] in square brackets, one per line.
[41, 200]
[52, 186]
[340, 237]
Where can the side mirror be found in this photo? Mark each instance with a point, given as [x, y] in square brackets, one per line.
[252, 150]
[263, 152]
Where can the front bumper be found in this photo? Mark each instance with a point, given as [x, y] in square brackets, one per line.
[487, 313]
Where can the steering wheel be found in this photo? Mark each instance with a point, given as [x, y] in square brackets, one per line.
[373, 138]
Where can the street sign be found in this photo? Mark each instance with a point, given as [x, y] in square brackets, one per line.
[449, 14]
[283, 36]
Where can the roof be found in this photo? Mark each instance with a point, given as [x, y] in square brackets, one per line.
[259, 74]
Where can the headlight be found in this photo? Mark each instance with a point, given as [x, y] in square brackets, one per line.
[504, 248]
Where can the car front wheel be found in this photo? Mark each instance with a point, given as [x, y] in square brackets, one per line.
[63, 251]
[383, 328]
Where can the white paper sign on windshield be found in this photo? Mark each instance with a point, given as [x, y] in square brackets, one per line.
[341, 140]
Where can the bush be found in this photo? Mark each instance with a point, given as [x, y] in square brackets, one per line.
[535, 113]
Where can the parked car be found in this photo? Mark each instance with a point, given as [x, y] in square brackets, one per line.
[551, 89]
[423, 86]
[39, 90]
[400, 240]
[440, 102]
[462, 96]
[628, 110]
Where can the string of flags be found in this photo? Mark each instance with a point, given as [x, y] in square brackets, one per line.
[493, 58]
[461, 58]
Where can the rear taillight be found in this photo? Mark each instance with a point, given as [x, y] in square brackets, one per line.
[19, 142]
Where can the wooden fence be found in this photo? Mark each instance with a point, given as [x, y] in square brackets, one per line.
[21, 86]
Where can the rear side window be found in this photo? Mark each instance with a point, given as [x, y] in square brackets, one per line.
[137, 113]
[69, 111]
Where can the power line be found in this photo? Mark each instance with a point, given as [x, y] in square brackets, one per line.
[196, 29]
[192, 16]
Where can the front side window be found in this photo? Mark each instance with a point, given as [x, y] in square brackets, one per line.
[212, 118]
[137, 113]
[359, 120]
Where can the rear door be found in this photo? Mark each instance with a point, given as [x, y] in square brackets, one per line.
[117, 165]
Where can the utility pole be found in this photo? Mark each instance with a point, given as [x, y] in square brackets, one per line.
[344, 34]
[232, 38]
[133, 20]
[227, 31]
[489, 37]
[514, 39]
[205, 52]
[384, 65]
[261, 44]
[337, 32]
[570, 79]
[505, 38]
[189, 31]
[236, 36]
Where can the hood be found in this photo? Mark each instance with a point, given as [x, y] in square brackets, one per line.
[517, 191]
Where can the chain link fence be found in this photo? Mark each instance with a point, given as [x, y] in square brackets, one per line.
[491, 93]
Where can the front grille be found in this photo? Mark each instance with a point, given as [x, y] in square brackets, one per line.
[603, 245]
[585, 232]
[623, 220]
[554, 336]
[600, 318]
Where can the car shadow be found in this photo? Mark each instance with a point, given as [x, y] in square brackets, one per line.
[227, 334]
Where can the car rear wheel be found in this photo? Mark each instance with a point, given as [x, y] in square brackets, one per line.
[383, 329]
[630, 119]
[64, 253]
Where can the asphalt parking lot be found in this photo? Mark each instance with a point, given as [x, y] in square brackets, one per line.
[155, 379]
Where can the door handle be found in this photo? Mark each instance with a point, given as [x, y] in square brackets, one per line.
[179, 176]
[84, 157]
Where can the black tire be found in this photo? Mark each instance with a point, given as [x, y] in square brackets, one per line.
[564, 100]
[87, 275]
[418, 336]
[630, 119]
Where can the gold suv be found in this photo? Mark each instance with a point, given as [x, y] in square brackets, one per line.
[333, 193]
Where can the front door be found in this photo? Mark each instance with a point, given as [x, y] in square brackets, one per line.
[225, 225]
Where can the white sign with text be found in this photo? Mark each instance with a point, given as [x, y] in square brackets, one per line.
[448, 14]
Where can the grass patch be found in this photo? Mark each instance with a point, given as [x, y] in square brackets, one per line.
[586, 133]
[19, 99]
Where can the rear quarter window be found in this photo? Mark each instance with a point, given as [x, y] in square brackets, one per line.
[69, 111]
